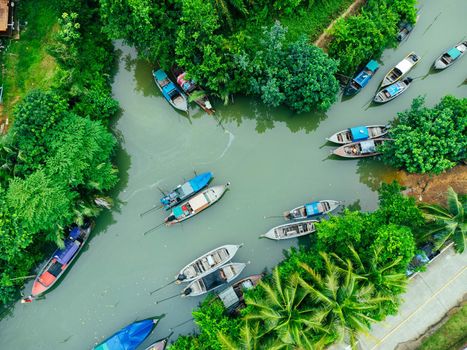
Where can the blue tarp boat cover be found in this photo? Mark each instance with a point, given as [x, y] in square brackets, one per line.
[65, 254]
[169, 87]
[74, 233]
[160, 75]
[454, 53]
[372, 66]
[312, 209]
[128, 338]
[359, 133]
[178, 211]
[393, 89]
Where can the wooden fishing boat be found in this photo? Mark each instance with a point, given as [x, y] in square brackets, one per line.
[392, 91]
[192, 90]
[405, 28]
[170, 92]
[450, 56]
[291, 230]
[401, 69]
[197, 204]
[158, 345]
[208, 262]
[360, 149]
[232, 297]
[358, 133]
[223, 275]
[129, 337]
[362, 78]
[185, 191]
[312, 209]
[61, 260]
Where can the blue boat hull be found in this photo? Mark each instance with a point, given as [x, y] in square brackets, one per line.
[129, 337]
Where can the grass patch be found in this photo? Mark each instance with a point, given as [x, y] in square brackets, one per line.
[27, 65]
[451, 335]
[315, 20]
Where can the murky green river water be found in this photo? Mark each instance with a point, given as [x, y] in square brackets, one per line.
[274, 160]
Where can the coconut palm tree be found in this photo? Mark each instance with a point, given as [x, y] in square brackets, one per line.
[344, 301]
[447, 223]
[282, 315]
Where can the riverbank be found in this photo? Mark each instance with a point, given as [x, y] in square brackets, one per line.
[432, 188]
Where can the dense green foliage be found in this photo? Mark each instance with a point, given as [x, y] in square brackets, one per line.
[448, 223]
[57, 155]
[350, 275]
[357, 39]
[232, 47]
[429, 140]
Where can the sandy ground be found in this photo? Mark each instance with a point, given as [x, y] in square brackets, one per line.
[432, 188]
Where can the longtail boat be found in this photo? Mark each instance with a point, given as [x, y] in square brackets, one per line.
[170, 92]
[312, 209]
[291, 230]
[405, 28]
[232, 297]
[192, 90]
[129, 337]
[61, 260]
[360, 149]
[196, 204]
[392, 91]
[362, 78]
[450, 56]
[186, 190]
[158, 345]
[208, 262]
[358, 133]
[223, 275]
[401, 69]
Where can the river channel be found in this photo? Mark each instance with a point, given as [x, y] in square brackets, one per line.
[275, 160]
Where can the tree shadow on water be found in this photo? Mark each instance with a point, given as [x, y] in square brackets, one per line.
[373, 172]
[266, 118]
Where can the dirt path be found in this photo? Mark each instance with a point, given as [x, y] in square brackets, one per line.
[324, 38]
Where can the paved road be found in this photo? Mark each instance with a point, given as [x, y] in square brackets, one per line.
[429, 296]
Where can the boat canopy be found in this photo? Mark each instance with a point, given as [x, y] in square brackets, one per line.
[169, 88]
[454, 53]
[75, 232]
[229, 297]
[364, 76]
[368, 146]
[179, 212]
[65, 254]
[404, 66]
[128, 338]
[213, 280]
[372, 66]
[394, 89]
[160, 75]
[198, 202]
[359, 133]
[186, 189]
[312, 208]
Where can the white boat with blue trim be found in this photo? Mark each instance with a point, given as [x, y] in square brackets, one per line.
[450, 56]
[358, 133]
[312, 209]
[392, 91]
